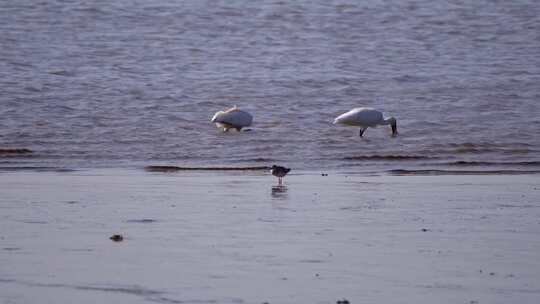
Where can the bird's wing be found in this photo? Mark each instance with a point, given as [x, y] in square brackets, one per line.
[235, 118]
[369, 117]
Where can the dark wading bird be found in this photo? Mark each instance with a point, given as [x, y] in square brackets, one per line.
[365, 118]
[279, 172]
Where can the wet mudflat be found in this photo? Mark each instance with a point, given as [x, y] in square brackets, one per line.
[235, 237]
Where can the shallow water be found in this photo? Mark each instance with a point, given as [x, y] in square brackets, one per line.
[199, 237]
[134, 83]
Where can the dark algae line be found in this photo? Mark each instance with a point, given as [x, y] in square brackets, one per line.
[175, 168]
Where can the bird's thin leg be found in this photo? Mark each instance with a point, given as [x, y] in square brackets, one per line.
[362, 130]
[279, 181]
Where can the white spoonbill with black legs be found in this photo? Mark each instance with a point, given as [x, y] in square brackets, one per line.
[233, 118]
[365, 118]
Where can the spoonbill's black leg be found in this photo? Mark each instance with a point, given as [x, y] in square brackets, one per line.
[362, 131]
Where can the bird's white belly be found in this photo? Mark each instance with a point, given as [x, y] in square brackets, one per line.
[224, 125]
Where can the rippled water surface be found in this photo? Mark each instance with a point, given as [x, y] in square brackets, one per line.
[134, 83]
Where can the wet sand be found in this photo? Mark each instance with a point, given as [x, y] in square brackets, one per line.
[233, 237]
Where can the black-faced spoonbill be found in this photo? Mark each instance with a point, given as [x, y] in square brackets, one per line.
[365, 118]
[232, 118]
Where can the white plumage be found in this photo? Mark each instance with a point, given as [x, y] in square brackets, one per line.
[232, 118]
[365, 118]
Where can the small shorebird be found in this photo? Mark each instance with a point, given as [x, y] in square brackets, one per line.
[279, 172]
[365, 118]
[233, 118]
[117, 238]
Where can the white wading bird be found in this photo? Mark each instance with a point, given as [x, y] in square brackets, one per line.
[365, 118]
[232, 118]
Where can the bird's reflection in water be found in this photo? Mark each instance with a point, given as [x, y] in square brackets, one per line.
[279, 192]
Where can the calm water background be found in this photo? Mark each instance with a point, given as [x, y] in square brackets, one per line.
[130, 83]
